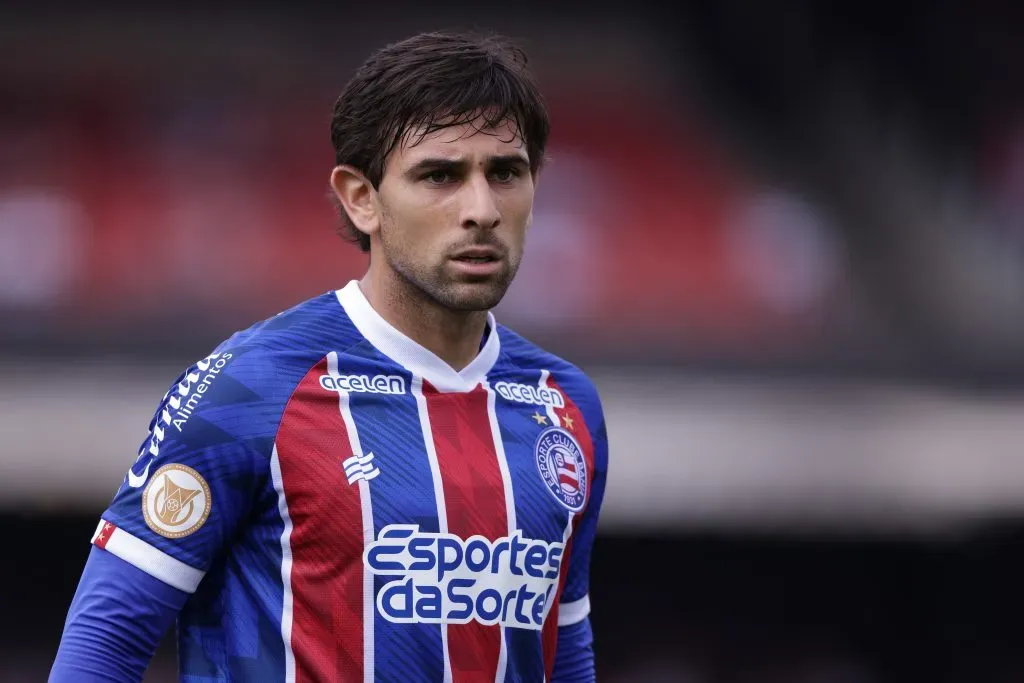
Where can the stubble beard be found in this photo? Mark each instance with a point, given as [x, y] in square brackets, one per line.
[436, 285]
[433, 283]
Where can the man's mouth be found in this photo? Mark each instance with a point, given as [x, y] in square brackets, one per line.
[476, 259]
[478, 255]
[480, 262]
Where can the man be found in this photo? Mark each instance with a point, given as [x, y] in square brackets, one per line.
[380, 483]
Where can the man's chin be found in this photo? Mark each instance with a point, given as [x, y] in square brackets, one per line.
[472, 296]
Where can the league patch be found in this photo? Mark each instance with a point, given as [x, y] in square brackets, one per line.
[562, 466]
[176, 502]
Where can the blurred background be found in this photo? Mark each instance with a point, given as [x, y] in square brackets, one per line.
[785, 238]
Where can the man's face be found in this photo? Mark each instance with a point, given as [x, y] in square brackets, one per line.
[455, 207]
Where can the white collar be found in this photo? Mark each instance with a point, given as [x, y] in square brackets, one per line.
[407, 353]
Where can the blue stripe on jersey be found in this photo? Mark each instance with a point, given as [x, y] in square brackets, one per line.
[525, 656]
[403, 493]
[257, 573]
[538, 515]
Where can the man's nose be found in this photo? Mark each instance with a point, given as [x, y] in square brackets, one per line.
[479, 208]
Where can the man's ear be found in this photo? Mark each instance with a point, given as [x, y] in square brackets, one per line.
[358, 197]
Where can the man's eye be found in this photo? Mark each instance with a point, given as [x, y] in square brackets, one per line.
[504, 175]
[438, 177]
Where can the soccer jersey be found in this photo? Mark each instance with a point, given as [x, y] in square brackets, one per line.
[345, 506]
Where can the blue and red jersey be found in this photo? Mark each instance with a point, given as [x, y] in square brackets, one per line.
[343, 505]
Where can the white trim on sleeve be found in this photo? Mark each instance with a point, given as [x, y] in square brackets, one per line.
[570, 613]
[149, 559]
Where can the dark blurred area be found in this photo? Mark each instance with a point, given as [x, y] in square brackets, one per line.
[785, 238]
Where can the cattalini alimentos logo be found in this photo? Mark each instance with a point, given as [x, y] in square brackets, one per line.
[177, 501]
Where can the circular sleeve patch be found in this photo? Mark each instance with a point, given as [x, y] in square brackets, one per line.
[177, 501]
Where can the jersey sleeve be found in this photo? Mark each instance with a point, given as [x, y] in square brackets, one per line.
[114, 625]
[574, 606]
[196, 475]
[574, 658]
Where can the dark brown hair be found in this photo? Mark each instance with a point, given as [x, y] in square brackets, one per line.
[428, 82]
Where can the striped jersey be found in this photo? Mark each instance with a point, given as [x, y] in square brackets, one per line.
[345, 506]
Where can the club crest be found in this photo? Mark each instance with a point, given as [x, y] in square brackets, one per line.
[562, 467]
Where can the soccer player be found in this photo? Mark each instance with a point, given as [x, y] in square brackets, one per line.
[381, 483]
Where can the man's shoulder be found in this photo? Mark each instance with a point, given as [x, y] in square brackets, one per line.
[525, 354]
[306, 325]
[228, 405]
[265, 362]
[305, 331]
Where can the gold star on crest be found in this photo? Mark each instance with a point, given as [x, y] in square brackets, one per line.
[541, 420]
[567, 421]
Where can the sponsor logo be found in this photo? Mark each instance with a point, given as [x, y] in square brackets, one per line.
[443, 579]
[191, 389]
[176, 502]
[562, 466]
[526, 393]
[360, 467]
[377, 384]
[177, 407]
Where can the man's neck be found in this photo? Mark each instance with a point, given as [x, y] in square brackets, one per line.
[452, 336]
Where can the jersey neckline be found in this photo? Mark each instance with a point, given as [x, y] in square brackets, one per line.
[412, 356]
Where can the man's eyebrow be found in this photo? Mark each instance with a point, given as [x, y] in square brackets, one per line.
[509, 160]
[457, 164]
[436, 162]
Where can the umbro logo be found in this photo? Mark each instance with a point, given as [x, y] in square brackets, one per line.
[360, 467]
[137, 480]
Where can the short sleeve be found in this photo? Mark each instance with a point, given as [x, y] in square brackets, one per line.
[196, 475]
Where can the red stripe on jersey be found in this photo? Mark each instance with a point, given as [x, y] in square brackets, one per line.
[474, 499]
[549, 634]
[327, 535]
